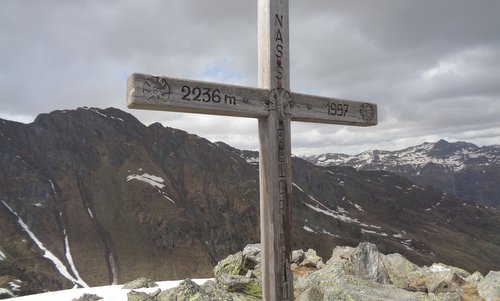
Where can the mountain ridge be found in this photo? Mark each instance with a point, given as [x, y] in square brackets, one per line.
[113, 199]
[462, 168]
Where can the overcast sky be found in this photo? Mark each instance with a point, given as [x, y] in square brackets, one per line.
[432, 66]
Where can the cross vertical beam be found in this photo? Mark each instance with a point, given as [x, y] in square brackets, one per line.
[275, 150]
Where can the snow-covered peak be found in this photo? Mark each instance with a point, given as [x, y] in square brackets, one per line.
[328, 159]
[453, 156]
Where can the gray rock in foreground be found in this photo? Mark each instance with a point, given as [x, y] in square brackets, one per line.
[140, 283]
[489, 286]
[88, 297]
[361, 273]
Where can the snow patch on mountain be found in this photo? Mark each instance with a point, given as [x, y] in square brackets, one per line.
[2, 255]
[252, 160]
[90, 214]
[407, 244]
[320, 231]
[99, 112]
[58, 264]
[69, 258]
[67, 253]
[4, 291]
[373, 232]
[439, 268]
[152, 180]
[308, 229]
[15, 285]
[338, 214]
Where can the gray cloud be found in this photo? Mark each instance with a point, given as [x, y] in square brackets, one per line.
[432, 67]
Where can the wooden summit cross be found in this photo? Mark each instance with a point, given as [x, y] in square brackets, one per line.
[274, 105]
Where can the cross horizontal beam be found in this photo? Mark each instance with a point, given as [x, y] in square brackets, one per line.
[190, 96]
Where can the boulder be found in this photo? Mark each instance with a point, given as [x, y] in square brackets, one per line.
[139, 283]
[242, 263]
[312, 260]
[402, 272]
[341, 253]
[187, 290]
[297, 256]
[231, 265]
[328, 274]
[341, 286]
[251, 261]
[444, 283]
[305, 262]
[441, 278]
[475, 278]
[363, 273]
[140, 296]
[252, 251]
[226, 287]
[241, 284]
[311, 294]
[88, 297]
[489, 286]
[366, 263]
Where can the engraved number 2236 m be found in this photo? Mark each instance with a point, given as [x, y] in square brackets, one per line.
[201, 94]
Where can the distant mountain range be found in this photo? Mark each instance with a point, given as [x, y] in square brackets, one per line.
[92, 197]
[464, 169]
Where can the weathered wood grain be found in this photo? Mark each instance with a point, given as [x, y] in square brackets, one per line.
[275, 151]
[163, 93]
[318, 109]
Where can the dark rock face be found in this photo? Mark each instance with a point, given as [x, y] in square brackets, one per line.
[121, 198]
[461, 168]
[92, 197]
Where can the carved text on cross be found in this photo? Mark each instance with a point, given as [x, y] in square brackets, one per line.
[162, 93]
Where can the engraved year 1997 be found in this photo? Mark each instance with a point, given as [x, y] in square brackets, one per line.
[206, 95]
[337, 109]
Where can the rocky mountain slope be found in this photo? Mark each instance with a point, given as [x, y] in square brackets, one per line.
[461, 168]
[362, 273]
[92, 197]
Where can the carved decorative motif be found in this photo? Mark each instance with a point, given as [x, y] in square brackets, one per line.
[367, 112]
[156, 88]
[281, 100]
